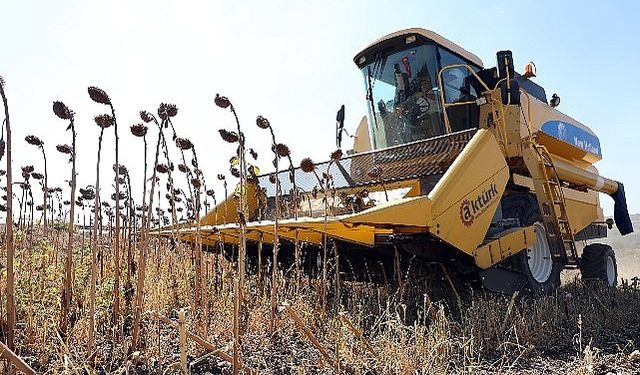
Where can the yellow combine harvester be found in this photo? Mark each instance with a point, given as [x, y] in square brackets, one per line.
[458, 164]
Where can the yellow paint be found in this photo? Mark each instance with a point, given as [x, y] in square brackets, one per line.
[227, 210]
[505, 246]
[583, 207]
[479, 171]
[362, 140]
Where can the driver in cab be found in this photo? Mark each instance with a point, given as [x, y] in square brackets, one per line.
[420, 111]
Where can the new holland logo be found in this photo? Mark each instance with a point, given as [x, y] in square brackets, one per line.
[470, 210]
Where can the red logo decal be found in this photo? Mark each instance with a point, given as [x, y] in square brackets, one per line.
[466, 214]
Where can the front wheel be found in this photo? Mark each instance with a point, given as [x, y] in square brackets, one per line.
[536, 262]
[530, 270]
[598, 262]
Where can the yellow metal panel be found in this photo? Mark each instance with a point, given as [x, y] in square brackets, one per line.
[583, 208]
[465, 199]
[539, 113]
[405, 212]
[227, 210]
[362, 140]
[505, 246]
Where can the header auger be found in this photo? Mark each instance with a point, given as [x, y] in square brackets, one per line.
[457, 164]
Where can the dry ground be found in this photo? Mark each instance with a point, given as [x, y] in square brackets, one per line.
[414, 328]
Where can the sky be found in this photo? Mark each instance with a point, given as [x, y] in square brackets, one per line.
[291, 61]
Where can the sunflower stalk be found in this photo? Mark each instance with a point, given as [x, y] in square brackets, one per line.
[64, 113]
[144, 239]
[10, 297]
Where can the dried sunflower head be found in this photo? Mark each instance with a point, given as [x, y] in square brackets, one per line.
[196, 183]
[166, 110]
[183, 168]
[61, 110]
[139, 130]
[231, 137]
[307, 165]
[33, 140]
[104, 121]
[146, 116]
[172, 110]
[121, 169]
[221, 177]
[162, 168]
[98, 95]
[281, 150]
[222, 101]
[235, 172]
[262, 122]
[65, 149]
[88, 193]
[184, 143]
[37, 176]
[27, 169]
[211, 192]
[336, 155]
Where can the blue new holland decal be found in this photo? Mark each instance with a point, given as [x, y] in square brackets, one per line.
[573, 135]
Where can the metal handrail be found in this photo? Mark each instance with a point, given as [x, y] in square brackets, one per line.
[447, 124]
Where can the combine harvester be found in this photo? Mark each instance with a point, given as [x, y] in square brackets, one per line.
[457, 164]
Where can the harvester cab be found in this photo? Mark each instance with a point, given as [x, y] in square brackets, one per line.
[467, 166]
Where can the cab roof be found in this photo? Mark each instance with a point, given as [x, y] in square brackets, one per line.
[428, 34]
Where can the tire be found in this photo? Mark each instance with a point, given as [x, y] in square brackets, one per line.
[524, 207]
[598, 263]
[541, 271]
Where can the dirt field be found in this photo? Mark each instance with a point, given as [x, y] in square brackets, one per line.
[418, 327]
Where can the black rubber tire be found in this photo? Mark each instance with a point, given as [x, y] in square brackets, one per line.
[534, 286]
[593, 263]
[524, 206]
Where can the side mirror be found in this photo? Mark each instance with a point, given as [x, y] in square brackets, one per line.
[339, 126]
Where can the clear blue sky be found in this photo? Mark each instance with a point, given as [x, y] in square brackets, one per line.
[291, 61]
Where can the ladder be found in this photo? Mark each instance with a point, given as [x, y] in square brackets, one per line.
[551, 202]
